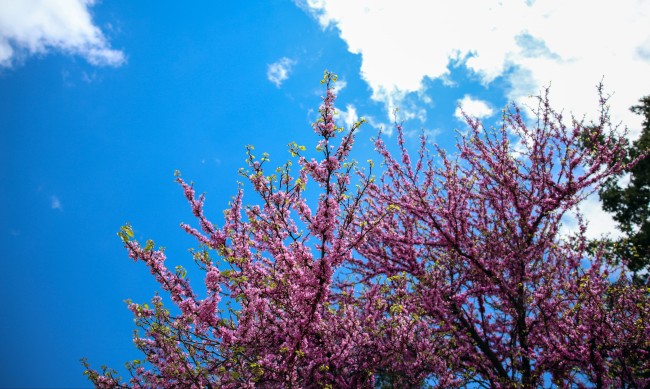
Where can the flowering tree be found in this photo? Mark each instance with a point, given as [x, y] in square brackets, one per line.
[477, 241]
[447, 272]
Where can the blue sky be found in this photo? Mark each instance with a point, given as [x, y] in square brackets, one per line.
[101, 101]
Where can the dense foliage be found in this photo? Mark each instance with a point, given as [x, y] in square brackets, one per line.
[631, 205]
[449, 270]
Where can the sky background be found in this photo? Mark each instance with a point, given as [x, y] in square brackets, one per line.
[100, 102]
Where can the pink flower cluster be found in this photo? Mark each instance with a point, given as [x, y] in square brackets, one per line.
[449, 271]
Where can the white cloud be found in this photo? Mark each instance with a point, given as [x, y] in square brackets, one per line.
[279, 71]
[386, 129]
[30, 27]
[348, 117]
[600, 223]
[55, 203]
[624, 181]
[472, 107]
[569, 44]
[339, 85]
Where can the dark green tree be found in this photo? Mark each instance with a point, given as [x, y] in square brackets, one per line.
[630, 206]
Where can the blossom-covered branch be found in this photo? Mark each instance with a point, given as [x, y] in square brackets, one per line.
[449, 270]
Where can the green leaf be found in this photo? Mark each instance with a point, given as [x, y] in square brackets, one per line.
[181, 272]
[149, 245]
[125, 233]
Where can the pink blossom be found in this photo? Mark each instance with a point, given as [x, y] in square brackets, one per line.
[449, 270]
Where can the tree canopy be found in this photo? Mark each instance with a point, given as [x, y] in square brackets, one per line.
[447, 270]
